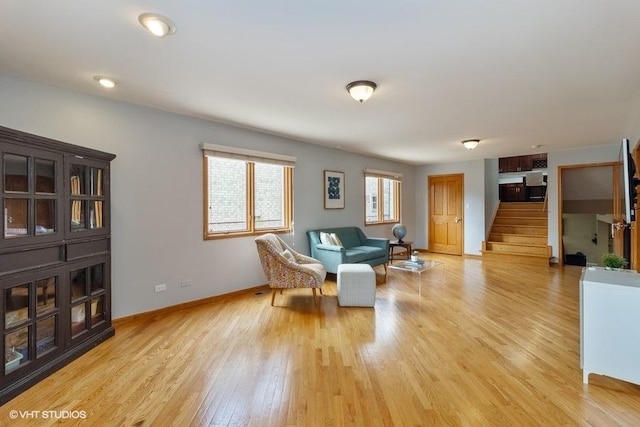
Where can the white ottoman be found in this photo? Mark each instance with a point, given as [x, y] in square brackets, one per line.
[356, 285]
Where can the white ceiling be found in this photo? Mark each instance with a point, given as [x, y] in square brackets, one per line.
[513, 73]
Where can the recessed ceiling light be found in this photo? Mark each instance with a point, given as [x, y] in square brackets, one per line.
[157, 25]
[105, 81]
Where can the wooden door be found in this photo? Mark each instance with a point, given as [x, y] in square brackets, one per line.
[618, 210]
[445, 214]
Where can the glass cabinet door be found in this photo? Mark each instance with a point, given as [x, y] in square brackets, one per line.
[96, 218]
[87, 197]
[31, 321]
[17, 201]
[77, 188]
[88, 305]
[30, 192]
[16, 173]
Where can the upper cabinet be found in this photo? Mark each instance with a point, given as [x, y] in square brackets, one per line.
[522, 163]
[32, 189]
[88, 184]
[48, 196]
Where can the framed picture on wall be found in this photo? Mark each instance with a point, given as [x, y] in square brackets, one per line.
[333, 190]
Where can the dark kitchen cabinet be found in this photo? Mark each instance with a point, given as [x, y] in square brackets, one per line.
[512, 193]
[522, 163]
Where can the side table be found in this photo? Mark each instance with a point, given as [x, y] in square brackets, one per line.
[396, 243]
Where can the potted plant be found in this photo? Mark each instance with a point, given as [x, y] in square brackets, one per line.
[611, 261]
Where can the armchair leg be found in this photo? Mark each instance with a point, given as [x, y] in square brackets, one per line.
[273, 296]
[385, 270]
[314, 297]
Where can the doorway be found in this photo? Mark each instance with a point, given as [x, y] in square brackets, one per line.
[446, 200]
[589, 203]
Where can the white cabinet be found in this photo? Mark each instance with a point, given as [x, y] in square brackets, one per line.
[610, 324]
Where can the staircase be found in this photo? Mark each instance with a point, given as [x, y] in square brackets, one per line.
[519, 234]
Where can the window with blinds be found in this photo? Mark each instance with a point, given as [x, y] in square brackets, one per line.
[246, 192]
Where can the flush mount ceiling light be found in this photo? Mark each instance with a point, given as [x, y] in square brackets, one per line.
[157, 25]
[361, 90]
[105, 81]
[470, 144]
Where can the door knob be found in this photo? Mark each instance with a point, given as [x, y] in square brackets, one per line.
[457, 220]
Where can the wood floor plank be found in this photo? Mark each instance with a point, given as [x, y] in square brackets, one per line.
[475, 343]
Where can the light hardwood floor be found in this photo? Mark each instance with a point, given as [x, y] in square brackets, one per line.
[478, 344]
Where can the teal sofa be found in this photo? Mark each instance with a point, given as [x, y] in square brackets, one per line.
[356, 248]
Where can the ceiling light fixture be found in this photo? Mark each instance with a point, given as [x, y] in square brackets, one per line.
[361, 90]
[157, 25]
[105, 81]
[470, 144]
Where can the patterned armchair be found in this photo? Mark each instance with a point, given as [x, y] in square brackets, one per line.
[286, 268]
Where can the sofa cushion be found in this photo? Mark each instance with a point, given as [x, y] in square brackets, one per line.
[325, 238]
[336, 240]
[354, 256]
[372, 251]
[349, 237]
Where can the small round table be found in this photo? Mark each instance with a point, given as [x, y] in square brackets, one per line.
[397, 243]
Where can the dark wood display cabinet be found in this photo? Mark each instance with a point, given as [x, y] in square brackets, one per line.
[55, 261]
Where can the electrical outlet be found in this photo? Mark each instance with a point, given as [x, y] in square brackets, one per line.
[184, 283]
[161, 288]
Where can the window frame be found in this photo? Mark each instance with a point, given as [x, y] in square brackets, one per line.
[251, 229]
[381, 200]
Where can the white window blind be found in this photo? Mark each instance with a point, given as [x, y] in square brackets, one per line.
[375, 173]
[247, 155]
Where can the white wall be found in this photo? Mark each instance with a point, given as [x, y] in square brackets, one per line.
[474, 202]
[157, 190]
[491, 193]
